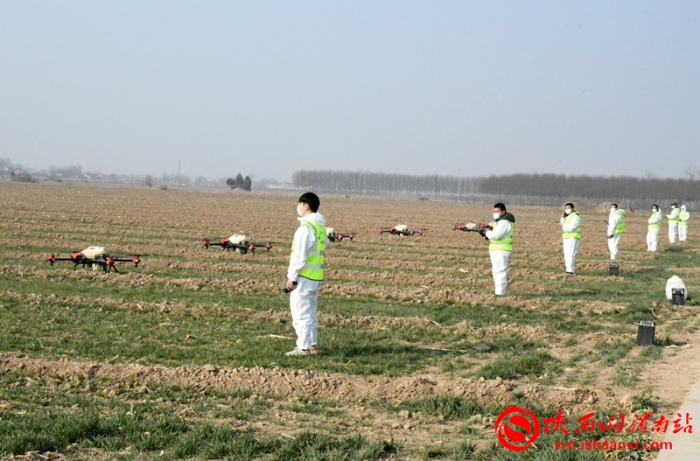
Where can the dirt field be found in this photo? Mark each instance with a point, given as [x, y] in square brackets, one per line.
[183, 357]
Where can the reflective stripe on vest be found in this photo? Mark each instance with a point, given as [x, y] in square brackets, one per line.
[313, 269]
[675, 220]
[683, 215]
[577, 232]
[620, 228]
[656, 225]
[504, 243]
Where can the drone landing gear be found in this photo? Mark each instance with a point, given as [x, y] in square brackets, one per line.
[104, 265]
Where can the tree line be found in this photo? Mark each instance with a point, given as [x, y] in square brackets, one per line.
[535, 189]
[623, 188]
[384, 184]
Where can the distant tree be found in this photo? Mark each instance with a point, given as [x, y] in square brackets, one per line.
[21, 176]
[7, 165]
[247, 183]
[692, 172]
[148, 181]
[235, 183]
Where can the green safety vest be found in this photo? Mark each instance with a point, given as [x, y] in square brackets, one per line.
[576, 234]
[620, 228]
[313, 269]
[683, 214]
[504, 243]
[675, 220]
[656, 225]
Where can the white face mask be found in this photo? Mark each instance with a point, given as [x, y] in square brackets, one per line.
[299, 211]
[567, 211]
[654, 210]
[496, 216]
[613, 210]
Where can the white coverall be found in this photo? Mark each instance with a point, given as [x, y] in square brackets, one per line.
[683, 227]
[672, 227]
[613, 221]
[571, 245]
[500, 258]
[303, 300]
[653, 234]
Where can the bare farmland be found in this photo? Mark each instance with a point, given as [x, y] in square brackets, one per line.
[418, 357]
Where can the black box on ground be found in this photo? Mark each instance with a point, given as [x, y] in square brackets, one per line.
[614, 270]
[678, 296]
[645, 333]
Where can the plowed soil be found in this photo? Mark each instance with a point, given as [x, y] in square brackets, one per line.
[428, 295]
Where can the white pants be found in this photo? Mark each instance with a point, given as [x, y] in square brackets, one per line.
[303, 301]
[612, 245]
[672, 231]
[653, 239]
[499, 262]
[570, 251]
[682, 233]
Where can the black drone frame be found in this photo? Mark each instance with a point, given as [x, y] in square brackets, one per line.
[106, 262]
[243, 248]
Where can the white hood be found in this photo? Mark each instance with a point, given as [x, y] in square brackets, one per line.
[317, 217]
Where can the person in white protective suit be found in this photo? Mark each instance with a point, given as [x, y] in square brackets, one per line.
[616, 227]
[683, 218]
[305, 274]
[673, 220]
[571, 235]
[654, 228]
[500, 246]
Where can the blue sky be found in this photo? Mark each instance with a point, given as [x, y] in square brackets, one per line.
[266, 88]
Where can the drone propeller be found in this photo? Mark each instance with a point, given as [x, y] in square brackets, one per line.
[136, 259]
[350, 235]
[210, 243]
[52, 258]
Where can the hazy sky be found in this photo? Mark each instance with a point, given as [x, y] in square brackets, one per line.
[266, 88]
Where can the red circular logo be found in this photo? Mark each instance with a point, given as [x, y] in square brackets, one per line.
[517, 428]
